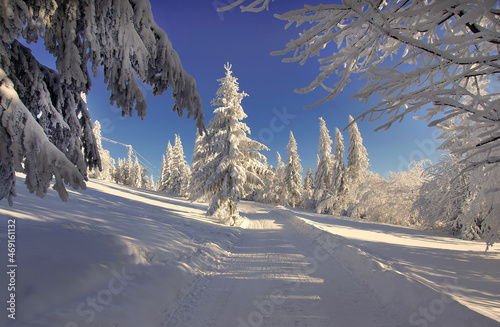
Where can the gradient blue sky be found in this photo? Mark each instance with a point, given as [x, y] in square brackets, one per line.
[205, 40]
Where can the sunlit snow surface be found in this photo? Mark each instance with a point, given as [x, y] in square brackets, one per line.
[119, 256]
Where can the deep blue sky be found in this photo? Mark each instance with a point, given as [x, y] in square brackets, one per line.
[205, 40]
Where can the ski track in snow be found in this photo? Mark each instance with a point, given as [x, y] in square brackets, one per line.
[272, 279]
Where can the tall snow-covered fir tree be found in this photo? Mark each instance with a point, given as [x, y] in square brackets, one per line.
[357, 158]
[135, 179]
[236, 166]
[166, 169]
[200, 158]
[119, 172]
[45, 130]
[323, 175]
[178, 182]
[292, 191]
[308, 190]
[336, 201]
[274, 192]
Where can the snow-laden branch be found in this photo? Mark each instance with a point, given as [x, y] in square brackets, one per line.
[118, 35]
[414, 54]
[26, 148]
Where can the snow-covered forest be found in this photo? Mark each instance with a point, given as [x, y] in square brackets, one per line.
[197, 216]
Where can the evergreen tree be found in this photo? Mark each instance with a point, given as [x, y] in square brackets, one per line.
[308, 189]
[323, 175]
[135, 179]
[159, 186]
[235, 166]
[129, 166]
[293, 179]
[178, 181]
[166, 170]
[119, 173]
[275, 190]
[151, 183]
[357, 159]
[200, 157]
[107, 168]
[336, 201]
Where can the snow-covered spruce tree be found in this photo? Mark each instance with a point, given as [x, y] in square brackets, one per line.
[180, 173]
[45, 127]
[160, 183]
[292, 191]
[200, 158]
[274, 191]
[235, 167]
[323, 175]
[357, 158]
[107, 162]
[166, 169]
[265, 194]
[119, 171]
[151, 185]
[135, 179]
[357, 162]
[337, 200]
[308, 190]
[129, 167]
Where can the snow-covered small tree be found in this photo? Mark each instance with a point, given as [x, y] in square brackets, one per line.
[159, 185]
[107, 162]
[119, 172]
[308, 190]
[465, 196]
[151, 185]
[323, 175]
[45, 130]
[392, 200]
[200, 157]
[357, 158]
[265, 194]
[178, 182]
[274, 191]
[135, 179]
[357, 162]
[235, 166]
[445, 196]
[337, 199]
[166, 169]
[292, 191]
[129, 167]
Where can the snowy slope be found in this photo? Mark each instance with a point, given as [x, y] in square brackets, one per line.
[119, 256]
[111, 254]
[437, 280]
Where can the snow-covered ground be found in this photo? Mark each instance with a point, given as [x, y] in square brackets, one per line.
[118, 256]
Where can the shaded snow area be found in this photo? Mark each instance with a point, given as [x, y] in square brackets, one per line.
[119, 256]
